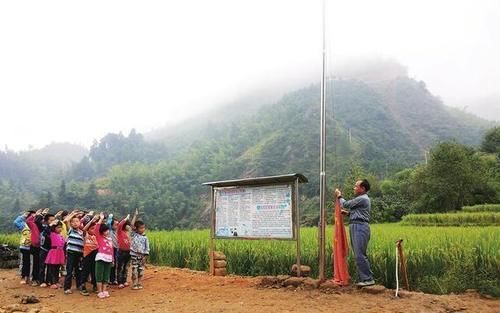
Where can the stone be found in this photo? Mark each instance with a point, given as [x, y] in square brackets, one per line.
[282, 278]
[305, 270]
[329, 285]
[404, 293]
[218, 255]
[269, 281]
[220, 272]
[311, 283]
[220, 264]
[294, 281]
[29, 300]
[374, 289]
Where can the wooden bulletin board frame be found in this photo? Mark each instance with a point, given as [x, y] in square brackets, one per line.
[291, 179]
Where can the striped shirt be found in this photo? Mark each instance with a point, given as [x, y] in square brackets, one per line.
[75, 241]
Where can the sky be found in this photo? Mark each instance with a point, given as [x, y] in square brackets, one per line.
[74, 71]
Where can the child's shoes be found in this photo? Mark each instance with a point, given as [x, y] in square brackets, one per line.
[43, 285]
[106, 294]
[121, 286]
[135, 287]
[101, 295]
[54, 286]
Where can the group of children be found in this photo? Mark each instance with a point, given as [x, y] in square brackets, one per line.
[81, 246]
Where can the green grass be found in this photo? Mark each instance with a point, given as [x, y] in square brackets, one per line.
[482, 208]
[453, 219]
[440, 259]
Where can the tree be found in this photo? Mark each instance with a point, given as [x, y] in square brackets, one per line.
[491, 141]
[17, 206]
[90, 199]
[454, 175]
[61, 196]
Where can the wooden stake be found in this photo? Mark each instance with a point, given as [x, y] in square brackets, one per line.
[402, 263]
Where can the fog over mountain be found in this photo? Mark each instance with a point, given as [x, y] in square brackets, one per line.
[72, 72]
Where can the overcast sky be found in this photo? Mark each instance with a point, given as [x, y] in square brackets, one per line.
[73, 71]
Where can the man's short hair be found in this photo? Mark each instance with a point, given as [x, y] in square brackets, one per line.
[365, 184]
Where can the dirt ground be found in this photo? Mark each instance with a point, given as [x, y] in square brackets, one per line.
[178, 290]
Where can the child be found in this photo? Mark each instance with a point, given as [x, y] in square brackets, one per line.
[113, 230]
[43, 221]
[35, 246]
[74, 251]
[139, 251]
[55, 256]
[89, 252]
[124, 250]
[104, 257]
[24, 245]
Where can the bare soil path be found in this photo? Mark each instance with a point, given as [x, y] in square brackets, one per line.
[178, 290]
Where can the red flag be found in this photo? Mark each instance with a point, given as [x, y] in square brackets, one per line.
[340, 249]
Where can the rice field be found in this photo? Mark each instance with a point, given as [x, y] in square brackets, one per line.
[490, 218]
[482, 208]
[440, 259]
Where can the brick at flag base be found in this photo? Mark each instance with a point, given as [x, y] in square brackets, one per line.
[340, 249]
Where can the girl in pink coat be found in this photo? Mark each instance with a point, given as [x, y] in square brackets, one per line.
[55, 257]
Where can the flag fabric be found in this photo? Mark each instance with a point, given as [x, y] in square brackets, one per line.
[340, 249]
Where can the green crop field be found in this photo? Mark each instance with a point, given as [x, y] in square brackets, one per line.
[490, 218]
[440, 259]
[482, 208]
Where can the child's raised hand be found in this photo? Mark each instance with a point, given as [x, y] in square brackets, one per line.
[45, 211]
[101, 215]
[39, 212]
[59, 213]
[128, 217]
[136, 211]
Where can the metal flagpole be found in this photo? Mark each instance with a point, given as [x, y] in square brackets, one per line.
[322, 158]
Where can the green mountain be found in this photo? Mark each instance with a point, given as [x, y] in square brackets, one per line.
[376, 127]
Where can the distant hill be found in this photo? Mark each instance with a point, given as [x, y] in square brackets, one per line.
[380, 123]
[58, 154]
[48, 161]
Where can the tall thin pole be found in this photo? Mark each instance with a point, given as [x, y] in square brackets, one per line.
[322, 158]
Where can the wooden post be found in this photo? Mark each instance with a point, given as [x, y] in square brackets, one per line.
[402, 263]
[297, 223]
[212, 231]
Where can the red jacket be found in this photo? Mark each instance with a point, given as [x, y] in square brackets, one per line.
[35, 231]
[123, 237]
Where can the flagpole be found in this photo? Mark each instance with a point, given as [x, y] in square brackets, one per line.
[322, 158]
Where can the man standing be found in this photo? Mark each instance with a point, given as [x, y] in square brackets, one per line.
[358, 210]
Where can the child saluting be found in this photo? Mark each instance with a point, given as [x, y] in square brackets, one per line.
[104, 257]
[139, 251]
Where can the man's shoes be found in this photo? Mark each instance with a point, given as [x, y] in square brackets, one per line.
[366, 283]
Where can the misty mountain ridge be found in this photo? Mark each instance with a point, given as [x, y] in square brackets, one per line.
[378, 126]
[421, 117]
